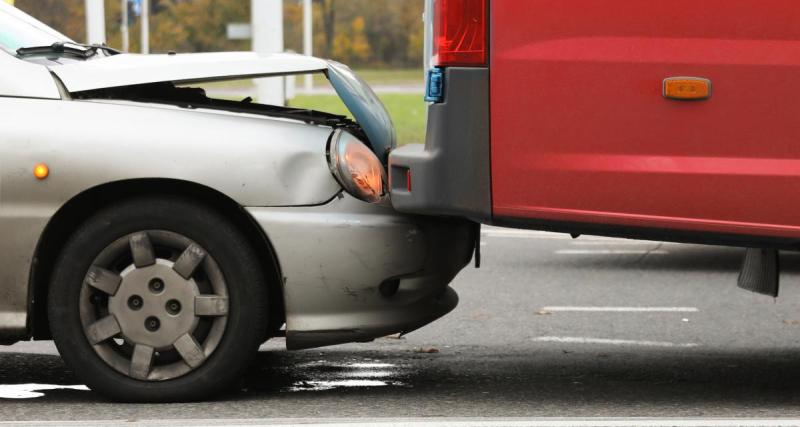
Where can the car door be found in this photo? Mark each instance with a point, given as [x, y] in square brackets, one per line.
[581, 131]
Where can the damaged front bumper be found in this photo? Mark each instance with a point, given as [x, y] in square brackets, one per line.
[355, 271]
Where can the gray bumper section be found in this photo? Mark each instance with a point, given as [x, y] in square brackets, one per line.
[450, 174]
[355, 271]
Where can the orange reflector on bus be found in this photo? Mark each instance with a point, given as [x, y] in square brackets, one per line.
[687, 88]
[41, 171]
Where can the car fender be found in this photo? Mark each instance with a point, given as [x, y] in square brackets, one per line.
[253, 160]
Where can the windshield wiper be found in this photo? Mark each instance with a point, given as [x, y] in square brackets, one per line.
[79, 50]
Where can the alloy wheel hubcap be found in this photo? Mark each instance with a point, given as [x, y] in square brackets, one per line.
[154, 305]
[146, 314]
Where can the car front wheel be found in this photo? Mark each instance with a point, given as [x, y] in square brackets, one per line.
[158, 299]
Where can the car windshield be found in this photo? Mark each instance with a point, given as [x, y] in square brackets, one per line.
[17, 30]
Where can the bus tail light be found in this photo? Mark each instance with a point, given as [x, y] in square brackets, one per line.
[460, 33]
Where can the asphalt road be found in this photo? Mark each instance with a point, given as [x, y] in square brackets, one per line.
[548, 327]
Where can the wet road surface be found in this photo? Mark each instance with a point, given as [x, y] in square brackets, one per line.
[548, 327]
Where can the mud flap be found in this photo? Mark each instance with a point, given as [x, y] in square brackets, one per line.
[478, 245]
[760, 271]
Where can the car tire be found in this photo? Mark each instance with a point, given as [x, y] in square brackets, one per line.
[142, 272]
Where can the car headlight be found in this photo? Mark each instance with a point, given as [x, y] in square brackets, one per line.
[356, 167]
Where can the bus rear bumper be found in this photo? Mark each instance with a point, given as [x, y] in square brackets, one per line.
[450, 175]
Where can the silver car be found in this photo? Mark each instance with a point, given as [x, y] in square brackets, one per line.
[160, 236]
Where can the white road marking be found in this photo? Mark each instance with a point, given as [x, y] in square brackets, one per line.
[607, 341]
[439, 422]
[610, 252]
[501, 230]
[575, 423]
[32, 347]
[533, 234]
[624, 309]
[30, 391]
[546, 235]
[616, 242]
[525, 235]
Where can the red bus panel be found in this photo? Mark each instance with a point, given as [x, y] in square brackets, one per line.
[581, 131]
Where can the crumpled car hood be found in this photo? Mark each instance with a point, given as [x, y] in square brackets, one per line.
[133, 69]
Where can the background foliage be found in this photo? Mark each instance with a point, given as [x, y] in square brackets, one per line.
[362, 33]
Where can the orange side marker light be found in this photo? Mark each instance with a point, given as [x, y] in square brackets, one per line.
[41, 171]
[687, 88]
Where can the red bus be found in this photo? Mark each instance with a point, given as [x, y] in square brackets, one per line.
[670, 120]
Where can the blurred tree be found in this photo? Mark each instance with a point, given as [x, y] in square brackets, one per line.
[415, 32]
[351, 46]
[293, 25]
[363, 33]
[67, 16]
[202, 26]
[327, 14]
